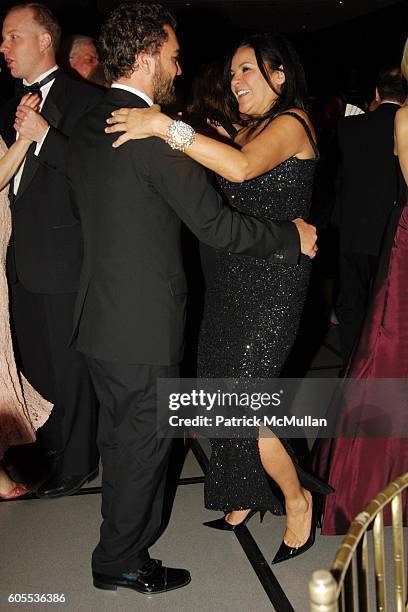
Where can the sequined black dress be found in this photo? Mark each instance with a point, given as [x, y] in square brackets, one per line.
[251, 317]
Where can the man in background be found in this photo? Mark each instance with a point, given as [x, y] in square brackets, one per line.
[368, 190]
[45, 253]
[78, 55]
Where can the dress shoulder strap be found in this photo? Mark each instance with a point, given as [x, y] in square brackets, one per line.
[306, 128]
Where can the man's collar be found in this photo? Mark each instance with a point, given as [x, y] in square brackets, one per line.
[390, 102]
[133, 90]
[41, 76]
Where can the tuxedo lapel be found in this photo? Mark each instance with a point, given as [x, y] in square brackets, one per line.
[30, 167]
[52, 112]
[52, 109]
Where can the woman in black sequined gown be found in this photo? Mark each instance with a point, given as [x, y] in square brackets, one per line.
[253, 306]
[252, 313]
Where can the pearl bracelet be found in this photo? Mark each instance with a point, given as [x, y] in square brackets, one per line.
[180, 135]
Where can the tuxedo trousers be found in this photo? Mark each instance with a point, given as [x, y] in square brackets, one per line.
[41, 329]
[134, 461]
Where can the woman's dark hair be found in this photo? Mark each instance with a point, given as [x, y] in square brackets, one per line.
[208, 99]
[271, 52]
[130, 29]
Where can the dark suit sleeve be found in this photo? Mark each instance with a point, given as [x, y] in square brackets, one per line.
[54, 150]
[184, 186]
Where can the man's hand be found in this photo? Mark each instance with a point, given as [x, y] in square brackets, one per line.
[308, 237]
[29, 123]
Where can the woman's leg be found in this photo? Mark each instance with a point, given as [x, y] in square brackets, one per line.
[298, 501]
[278, 464]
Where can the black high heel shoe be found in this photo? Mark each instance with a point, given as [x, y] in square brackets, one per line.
[222, 524]
[286, 552]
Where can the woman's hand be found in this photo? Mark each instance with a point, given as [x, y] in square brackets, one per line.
[136, 123]
[28, 122]
[32, 100]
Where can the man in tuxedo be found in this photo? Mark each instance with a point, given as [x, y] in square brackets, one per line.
[130, 311]
[368, 189]
[45, 253]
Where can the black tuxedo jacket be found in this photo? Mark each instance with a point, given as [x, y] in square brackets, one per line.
[45, 253]
[132, 296]
[368, 178]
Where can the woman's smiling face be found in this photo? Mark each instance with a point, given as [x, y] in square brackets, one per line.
[253, 93]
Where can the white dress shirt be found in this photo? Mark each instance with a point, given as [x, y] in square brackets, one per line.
[135, 91]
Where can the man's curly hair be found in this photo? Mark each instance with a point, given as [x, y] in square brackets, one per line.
[130, 29]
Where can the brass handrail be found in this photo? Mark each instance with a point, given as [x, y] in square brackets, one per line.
[329, 589]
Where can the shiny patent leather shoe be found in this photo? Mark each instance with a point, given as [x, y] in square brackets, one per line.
[286, 552]
[152, 578]
[59, 487]
[222, 524]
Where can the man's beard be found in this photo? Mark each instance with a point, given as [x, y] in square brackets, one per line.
[164, 91]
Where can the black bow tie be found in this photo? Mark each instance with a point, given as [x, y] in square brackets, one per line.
[36, 87]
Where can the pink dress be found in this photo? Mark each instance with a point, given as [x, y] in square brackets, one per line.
[359, 468]
[22, 409]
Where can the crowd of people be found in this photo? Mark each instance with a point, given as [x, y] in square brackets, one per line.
[96, 182]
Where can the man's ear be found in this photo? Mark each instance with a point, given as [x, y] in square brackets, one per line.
[45, 41]
[144, 62]
[377, 95]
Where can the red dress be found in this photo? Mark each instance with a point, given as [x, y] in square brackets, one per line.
[359, 468]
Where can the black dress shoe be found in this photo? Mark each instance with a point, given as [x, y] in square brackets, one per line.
[150, 579]
[56, 486]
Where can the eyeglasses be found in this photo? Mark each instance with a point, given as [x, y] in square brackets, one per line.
[88, 59]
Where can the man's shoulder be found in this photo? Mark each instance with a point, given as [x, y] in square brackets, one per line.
[384, 114]
[355, 129]
[349, 124]
[79, 89]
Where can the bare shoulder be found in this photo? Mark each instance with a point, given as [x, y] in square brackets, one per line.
[304, 115]
[401, 117]
[288, 122]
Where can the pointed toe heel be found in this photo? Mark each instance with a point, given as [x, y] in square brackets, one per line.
[286, 552]
[222, 524]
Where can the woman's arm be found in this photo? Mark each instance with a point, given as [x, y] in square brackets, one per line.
[11, 161]
[401, 139]
[282, 139]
